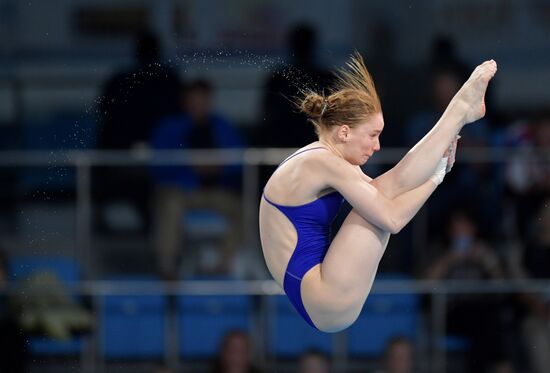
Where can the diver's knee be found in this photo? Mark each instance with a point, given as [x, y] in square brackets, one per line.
[336, 322]
[340, 316]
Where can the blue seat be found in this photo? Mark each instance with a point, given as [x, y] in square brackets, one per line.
[204, 320]
[290, 334]
[43, 346]
[204, 230]
[204, 223]
[383, 317]
[65, 268]
[68, 272]
[133, 326]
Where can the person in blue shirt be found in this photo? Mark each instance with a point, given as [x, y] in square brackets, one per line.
[132, 102]
[182, 187]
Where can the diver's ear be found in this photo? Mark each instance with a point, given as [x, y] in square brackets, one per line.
[343, 132]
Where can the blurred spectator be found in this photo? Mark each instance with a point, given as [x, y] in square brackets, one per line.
[445, 56]
[466, 255]
[446, 73]
[12, 340]
[537, 255]
[463, 183]
[394, 83]
[180, 188]
[445, 81]
[282, 125]
[313, 361]
[280, 118]
[528, 171]
[536, 306]
[55, 313]
[235, 354]
[132, 102]
[503, 366]
[399, 356]
[478, 317]
[163, 369]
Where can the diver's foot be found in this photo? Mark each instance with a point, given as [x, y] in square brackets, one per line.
[471, 96]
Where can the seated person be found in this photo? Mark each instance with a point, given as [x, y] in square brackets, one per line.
[235, 354]
[478, 317]
[398, 356]
[313, 361]
[182, 187]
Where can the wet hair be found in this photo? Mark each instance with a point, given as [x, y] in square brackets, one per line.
[351, 99]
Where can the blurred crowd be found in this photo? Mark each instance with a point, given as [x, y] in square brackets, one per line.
[508, 195]
[488, 221]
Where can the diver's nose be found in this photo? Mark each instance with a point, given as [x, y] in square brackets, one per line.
[377, 146]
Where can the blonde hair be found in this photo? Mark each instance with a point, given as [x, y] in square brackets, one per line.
[350, 101]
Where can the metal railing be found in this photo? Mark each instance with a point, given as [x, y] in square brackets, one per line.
[433, 359]
[251, 160]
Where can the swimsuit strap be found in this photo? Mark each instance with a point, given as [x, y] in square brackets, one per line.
[287, 159]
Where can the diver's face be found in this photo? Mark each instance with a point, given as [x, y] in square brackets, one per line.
[363, 140]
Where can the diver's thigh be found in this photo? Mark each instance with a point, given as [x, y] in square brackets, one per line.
[354, 254]
[329, 310]
[334, 292]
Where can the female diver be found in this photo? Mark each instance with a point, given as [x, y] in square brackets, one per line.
[328, 282]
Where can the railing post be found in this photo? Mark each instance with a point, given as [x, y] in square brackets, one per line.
[261, 330]
[250, 196]
[84, 212]
[439, 316]
[340, 348]
[171, 325]
[83, 244]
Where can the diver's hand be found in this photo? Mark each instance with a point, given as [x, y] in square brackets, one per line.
[451, 153]
[440, 171]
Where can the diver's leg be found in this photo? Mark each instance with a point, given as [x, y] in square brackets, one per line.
[333, 292]
[468, 105]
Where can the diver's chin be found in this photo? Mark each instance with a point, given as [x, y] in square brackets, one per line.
[364, 160]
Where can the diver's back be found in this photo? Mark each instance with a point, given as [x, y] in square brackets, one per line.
[291, 187]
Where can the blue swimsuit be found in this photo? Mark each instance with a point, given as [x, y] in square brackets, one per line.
[312, 222]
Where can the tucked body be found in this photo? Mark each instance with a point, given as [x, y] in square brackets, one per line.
[330, 284]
